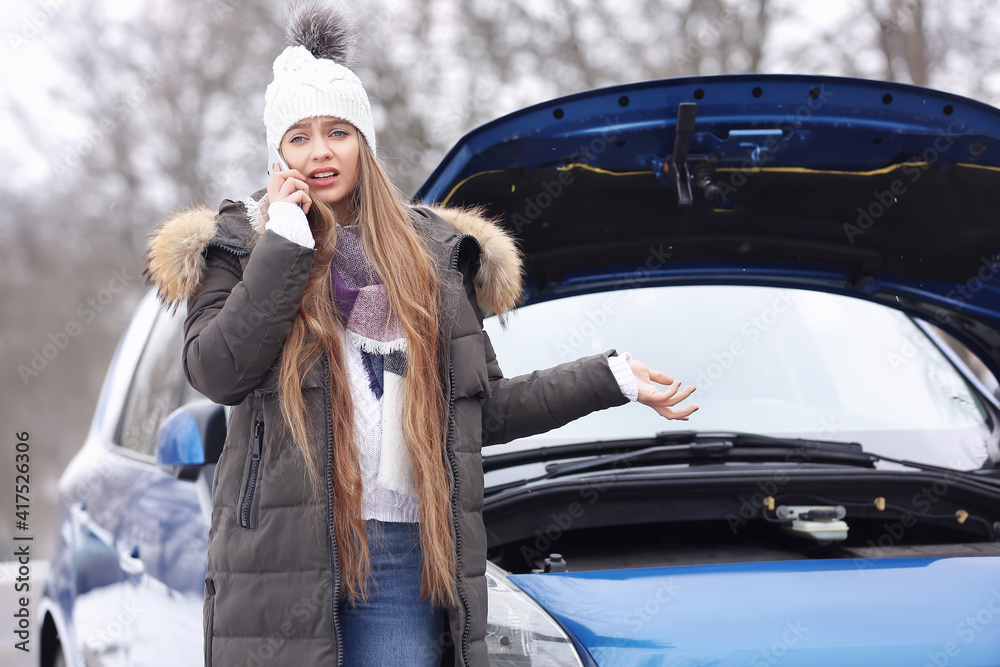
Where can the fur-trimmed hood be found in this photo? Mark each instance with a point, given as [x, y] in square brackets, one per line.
[175, 260]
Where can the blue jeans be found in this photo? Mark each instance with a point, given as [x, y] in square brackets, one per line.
[394, 627]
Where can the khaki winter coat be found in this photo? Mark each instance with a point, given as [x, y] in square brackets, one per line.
[272, 576]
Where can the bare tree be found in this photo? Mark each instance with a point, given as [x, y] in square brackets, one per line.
[460, 64]
[166, 100]
[949, 45]
[902, 39]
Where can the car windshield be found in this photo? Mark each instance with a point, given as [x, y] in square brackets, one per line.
[781, 362]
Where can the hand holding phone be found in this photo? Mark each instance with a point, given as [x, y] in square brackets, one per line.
[291, 188]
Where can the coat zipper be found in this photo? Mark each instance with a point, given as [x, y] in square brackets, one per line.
[254, 467]
[231, 248]
[329, 480]
[329, 512]
[449, 448]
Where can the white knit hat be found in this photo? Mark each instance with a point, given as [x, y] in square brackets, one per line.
[311, 77]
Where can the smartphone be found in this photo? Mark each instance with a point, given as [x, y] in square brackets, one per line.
[274, 155]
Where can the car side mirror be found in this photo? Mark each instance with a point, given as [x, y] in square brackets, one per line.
[190, 437]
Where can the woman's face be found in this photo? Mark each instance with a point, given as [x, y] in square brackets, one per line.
[326, 150]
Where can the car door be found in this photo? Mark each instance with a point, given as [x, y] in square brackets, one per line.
[86, 576]
[98, 585]
[165, 532]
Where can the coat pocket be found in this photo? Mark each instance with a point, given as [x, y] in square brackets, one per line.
[209, 612]
[247, 509]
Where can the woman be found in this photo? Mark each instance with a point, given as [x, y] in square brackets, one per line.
[345, 328]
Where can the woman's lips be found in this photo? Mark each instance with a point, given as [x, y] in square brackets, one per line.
[324, 178]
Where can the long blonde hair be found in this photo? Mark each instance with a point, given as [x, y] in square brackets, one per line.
[408, 270]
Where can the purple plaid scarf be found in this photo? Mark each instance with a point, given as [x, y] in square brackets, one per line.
[363, 304]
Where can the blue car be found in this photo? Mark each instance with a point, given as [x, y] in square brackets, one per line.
[810, 252]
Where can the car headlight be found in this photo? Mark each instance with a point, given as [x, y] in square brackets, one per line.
[519, 632]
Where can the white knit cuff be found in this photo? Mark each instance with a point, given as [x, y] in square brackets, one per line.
[288, 220]
[626, 378]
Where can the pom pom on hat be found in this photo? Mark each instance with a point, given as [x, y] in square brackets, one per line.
[311, 76]
[327, 31]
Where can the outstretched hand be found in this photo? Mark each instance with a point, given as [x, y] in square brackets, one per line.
[663, 401]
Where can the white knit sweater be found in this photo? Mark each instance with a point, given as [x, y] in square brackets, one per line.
[377, 502]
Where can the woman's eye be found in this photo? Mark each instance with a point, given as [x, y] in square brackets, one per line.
[295, 139]
[340, 133]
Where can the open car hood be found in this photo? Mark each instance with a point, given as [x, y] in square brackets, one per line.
[894, 611]
[867, 188]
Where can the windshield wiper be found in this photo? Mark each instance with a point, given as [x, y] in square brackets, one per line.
[693, 447]
[706, 441]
